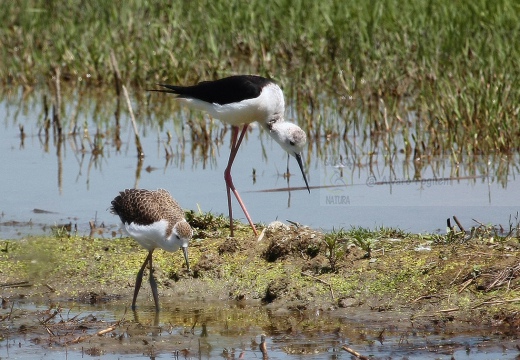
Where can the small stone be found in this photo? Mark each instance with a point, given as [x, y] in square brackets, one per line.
[347, 302]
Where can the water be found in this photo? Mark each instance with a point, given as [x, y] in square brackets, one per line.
[41, 187]
[207, 330]
[75, 186]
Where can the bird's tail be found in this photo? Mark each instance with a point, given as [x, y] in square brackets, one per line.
[171, 89]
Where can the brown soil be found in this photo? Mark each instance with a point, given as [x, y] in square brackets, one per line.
[429, 281]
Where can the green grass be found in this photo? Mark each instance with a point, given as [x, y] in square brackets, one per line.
[396, 47]
[429, 78]
[395, 275]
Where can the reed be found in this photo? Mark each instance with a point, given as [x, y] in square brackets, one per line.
[431, 78]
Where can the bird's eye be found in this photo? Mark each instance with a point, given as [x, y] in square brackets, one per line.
[177, 237]
[292, 143]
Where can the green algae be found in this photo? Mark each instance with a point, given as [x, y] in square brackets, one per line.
[403, 271]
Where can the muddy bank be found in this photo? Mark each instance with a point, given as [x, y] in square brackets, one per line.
[425, 283]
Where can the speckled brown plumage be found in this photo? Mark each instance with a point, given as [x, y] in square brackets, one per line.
[144, 207]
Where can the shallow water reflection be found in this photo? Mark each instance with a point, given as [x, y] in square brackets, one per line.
[365, 178]
[230, 330]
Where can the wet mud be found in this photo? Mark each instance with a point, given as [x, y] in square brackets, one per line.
[392, 295]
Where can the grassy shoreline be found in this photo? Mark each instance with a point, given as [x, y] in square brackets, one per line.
[386, 41]
[442, 75]
[292, 281]
[292, 267]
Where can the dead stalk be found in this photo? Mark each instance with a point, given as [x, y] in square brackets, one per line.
[57, 105]
[459, 224]
[140, 152]
[354, 352]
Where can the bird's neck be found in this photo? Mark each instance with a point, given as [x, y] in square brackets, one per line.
[275, 130]
[274, 123]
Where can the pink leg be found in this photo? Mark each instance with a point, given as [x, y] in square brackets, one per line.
[229, 180]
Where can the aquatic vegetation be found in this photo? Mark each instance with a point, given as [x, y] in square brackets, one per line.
[422, 79]
[422, 92]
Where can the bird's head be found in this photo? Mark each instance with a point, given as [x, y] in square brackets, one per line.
[292, 139]
[183, 233]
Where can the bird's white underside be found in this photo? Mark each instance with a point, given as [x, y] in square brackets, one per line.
[268, 106]
[152, 236]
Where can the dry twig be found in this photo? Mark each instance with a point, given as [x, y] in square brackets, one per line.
[496, 302]
[140, 152]
[355, 353]
[459, 224]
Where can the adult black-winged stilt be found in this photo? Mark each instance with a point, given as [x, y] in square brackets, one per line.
[155, 220]
[240, 100]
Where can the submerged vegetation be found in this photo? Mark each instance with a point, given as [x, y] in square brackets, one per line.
[442, 76]
[416, 90]
[438, 73]
[425, 79]
[423, 89]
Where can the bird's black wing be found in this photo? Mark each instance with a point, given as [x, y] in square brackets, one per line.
[223, 91]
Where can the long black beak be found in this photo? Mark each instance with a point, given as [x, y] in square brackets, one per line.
[300, 164]
[185, 251]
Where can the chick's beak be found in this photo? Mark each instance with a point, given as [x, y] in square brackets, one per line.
[185, 251]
